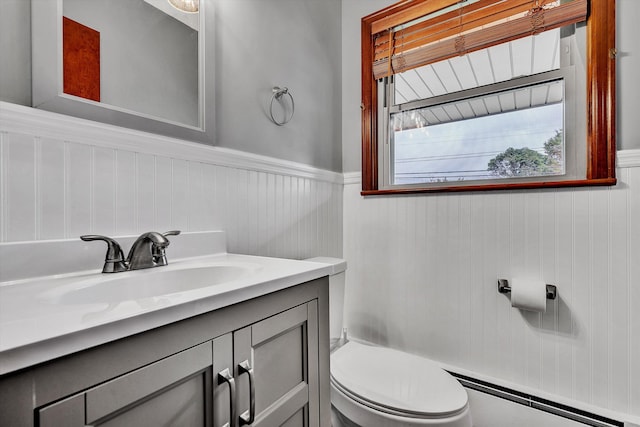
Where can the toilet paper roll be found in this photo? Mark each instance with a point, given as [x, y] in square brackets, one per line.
[529, 294]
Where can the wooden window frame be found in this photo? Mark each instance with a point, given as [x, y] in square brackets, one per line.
[601, 99]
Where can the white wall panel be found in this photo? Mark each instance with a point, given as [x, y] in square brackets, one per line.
[79, 179]
[422, 277]
[104, 208]
[180, 194]
[20, 187]
[195, 212]
[51, 189]
[126, 197]
[619, 293]
[54, 184]
[145, 191]
[633, 181]
[210, 210]
[163, 193]
[564, 244]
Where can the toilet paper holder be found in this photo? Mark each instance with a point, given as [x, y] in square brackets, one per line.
[504, 288]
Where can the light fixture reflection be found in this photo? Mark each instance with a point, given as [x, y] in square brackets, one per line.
[190, 6]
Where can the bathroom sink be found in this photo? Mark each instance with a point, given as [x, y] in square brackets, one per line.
[143, 284]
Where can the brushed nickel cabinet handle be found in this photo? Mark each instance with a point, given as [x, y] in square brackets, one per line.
[225, 376]
[248, 416]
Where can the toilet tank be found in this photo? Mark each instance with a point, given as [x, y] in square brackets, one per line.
[336, 293]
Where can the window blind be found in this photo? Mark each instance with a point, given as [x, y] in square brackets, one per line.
[420, 36]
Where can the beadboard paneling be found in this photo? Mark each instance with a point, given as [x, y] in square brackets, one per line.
[57, 185]
[19, 174]
[422, 277]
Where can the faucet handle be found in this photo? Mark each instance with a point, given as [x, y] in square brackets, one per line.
[158, 251]
[114, 259]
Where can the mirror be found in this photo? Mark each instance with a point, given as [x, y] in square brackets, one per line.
[139, 64]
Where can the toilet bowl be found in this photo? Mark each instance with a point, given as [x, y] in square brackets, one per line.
[373, 386]
[382, 387]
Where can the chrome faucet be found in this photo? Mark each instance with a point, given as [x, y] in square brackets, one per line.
[147, 251]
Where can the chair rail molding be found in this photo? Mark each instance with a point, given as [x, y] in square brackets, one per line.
[21, 119]
[628, 158]
[352, 177]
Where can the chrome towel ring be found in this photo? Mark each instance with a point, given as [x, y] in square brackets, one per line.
[278, 93]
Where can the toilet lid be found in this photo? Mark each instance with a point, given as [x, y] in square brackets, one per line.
[396, 380]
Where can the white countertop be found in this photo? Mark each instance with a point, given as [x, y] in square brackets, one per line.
[34, 327]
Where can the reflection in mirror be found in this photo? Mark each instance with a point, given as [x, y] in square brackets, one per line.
[146, 60]
[185, 5]
[132, 63]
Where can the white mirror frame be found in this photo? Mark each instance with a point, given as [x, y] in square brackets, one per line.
[47, 79]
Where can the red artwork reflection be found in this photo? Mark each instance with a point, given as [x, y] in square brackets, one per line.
[81, 60]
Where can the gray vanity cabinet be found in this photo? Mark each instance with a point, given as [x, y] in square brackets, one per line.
[279, 356]
[195, 372]
[174, 391]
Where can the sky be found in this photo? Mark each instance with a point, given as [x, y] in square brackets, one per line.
[464, 148]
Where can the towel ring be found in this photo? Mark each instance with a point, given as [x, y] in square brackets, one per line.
[278, 93]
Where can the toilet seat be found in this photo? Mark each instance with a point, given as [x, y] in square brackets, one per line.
[396, 383]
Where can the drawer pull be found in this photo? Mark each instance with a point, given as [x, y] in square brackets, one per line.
[247, 418]
[225, 376]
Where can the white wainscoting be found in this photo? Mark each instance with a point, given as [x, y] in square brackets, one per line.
[422, 278]
[61, 177]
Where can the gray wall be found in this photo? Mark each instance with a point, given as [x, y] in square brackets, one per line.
[292, 43]
[352, 13]
[628, 66]
[259, 44]
[15, 51]
[628, 85]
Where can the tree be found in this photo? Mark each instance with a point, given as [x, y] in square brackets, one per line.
[553, 148]
[519, 162]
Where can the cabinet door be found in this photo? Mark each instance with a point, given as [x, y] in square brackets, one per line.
[175, 391]
[279, 355]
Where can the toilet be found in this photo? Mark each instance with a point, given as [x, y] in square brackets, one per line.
[373, 386]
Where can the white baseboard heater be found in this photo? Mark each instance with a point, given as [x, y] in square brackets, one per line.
[534, 402]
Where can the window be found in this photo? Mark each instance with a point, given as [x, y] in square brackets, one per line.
[490, 136]
[472, 95]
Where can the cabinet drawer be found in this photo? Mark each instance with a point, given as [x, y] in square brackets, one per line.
[147, 396]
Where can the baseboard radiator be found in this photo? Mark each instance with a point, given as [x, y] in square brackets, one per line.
[531, 401]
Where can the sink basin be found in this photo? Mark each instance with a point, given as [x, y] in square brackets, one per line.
[143, 284]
